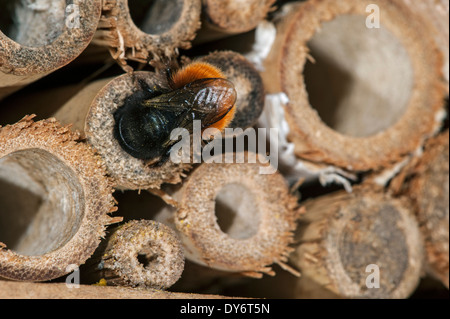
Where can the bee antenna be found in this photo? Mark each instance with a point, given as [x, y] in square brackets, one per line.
[166, 66]
[171, 67]
[169, 76]
[157, 64]
[134, 79]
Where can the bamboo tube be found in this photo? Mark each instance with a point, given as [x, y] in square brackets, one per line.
[349, 242]
[139, 253]
[222, 18]
[75, 110]
[248, 84]
[437, 13]
[54, 200]
[43, 103]
[371, 96]
[91, 111]
[26, 290]
[233, 16]
[202, 279]
[430, 191]
[135, 205]
[232, 218]
[426, 181]
[40, 37]
[144, 31]
[295, 170]
[281, 286]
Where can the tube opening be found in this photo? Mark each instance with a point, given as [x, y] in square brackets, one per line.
[41, 202]
[156, 16]
[362, 78]
[147, 258]
[34, 23]
[237, 211]
[383, 241]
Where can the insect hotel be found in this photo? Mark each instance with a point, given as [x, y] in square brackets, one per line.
[215, 149]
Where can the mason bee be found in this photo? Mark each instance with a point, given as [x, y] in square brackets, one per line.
[198, 91]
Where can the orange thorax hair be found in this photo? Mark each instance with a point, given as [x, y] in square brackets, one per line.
[202, 70]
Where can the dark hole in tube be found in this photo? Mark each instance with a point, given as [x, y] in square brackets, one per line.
[156, 16]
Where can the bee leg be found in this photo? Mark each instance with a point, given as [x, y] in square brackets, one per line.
[163, 159]
[151, 91]
[159, 161]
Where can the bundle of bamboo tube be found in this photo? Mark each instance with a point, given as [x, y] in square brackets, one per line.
[348, 92]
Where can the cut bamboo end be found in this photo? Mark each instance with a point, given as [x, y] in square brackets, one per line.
[143, 32]
[41, 37]
[54, 199]
[436, 12]
[92, 112]
[127, 171]
[248, 84]
[429, 190]
[141, 253]
[371, 95]
[361, 245]
[234, 16]
[232, 218]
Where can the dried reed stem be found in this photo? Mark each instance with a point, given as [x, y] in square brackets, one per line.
[91, 111]
[351, 241]
[248, 84]
[147, 31]
[40, 37]
[436, 12]
[425, 181]
[54, 199]
[368, 96]
[222, 18]
[140, 253]
[232, 218]
[26, 290]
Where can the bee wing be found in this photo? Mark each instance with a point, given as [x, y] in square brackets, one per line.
[179, 99]
[215, 98]
[171, 101]
[210, 98]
